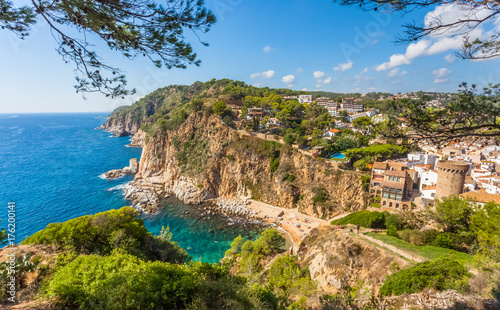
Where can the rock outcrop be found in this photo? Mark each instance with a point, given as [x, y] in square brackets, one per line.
[113, 174]
[205, 159]
[133, 168]
[138, 139]
[337, 260]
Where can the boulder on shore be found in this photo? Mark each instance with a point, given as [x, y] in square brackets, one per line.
[113, 174]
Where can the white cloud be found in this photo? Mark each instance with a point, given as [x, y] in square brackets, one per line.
[372, 89]
[344, 66]
[449, 39]
[299, 70]
[256, 84]
[288, 79]
[396, 72]
[365, 70]
[318, 86]
[327, 81]
[305, 89]
[318, 74]
[268, 74]
[450, 58]
[441, 75]
[266, 49]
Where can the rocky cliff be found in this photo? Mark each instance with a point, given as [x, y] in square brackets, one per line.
[337, 259]
[205, 159]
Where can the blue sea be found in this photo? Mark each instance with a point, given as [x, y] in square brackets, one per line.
[50, 166]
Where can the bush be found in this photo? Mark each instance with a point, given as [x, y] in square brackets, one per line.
[121, 281]
[286, 278]
[392, 231]
[440, 274]
[228, 121]
[275, 163]
[106, 231]
[320, 195]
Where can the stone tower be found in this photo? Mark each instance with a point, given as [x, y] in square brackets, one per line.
[451, 178]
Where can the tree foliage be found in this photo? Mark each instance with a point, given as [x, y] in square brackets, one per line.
[121, 281]
[107, 231]
[130, 27]
[286, 278]
[486, 224]
[440, 274]
[452, 213]
[470, 114]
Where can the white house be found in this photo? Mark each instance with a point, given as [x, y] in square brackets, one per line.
[305, 98]
[428, 178]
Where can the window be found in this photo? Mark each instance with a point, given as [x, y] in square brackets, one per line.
[390, 204]
[397, 206]
[384, 203]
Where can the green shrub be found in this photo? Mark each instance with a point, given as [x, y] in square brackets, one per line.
[106, 231]
[392, 231]
[121, 281]
[320, 195]
[275, 163]
[230, 157]
[269, 243]
[440, 274]
[287, 278]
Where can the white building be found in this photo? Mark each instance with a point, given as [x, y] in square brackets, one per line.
[421, 159]
[305, 98]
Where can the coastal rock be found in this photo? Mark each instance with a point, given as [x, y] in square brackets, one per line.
[144, 195]
[138, 139]
[122, 133]
[113, 174]
[116, 173]
[133, 165]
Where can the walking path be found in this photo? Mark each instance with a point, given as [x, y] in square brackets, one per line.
[394, 249]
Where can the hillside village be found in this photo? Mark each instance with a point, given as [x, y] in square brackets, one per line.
[410, 181]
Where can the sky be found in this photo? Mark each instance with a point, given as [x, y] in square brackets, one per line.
[302, 45]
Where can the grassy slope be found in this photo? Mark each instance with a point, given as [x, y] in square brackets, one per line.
[426, 251]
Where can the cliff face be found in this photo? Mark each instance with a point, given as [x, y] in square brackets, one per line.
[205, 159]
[117, 123]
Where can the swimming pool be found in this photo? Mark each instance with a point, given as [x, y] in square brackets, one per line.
[338, 156]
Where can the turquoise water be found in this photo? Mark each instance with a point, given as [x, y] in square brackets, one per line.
[338, 155]
[50, 167]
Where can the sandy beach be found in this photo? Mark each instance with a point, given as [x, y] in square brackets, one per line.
[297, 225]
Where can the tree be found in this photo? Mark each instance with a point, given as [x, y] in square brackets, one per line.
[220, 107]
[472, 14]
[197, 105]
[130, 27]
[471, 114]
[286, 278]
[342, 116]
[452, 213]
[486, 224]
[363, 124]
[289, 137]
[344, 144]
